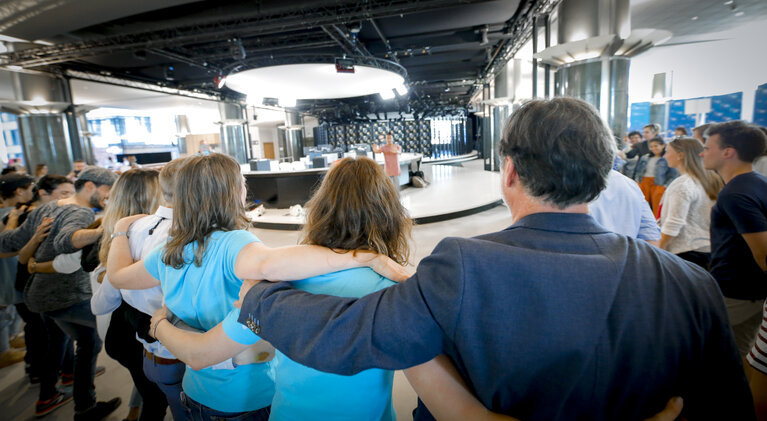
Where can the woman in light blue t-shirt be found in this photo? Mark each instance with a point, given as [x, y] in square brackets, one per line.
[201, 269]
[356, 207]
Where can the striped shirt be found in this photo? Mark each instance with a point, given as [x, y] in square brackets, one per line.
[757, 358]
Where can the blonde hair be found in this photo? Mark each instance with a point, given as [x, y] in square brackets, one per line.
[168, 178]
[211, 202]
[135, 191]
[357, 208]
[690, 148]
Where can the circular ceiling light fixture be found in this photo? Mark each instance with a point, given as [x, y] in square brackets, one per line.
[315, 81]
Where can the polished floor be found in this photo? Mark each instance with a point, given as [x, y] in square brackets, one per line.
[17, 396]
[453, 190]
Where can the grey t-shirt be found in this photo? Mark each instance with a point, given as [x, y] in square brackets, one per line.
[52, 291]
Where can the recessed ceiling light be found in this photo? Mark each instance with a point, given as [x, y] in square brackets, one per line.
[729, 2]
[694, 18]
[741, 13]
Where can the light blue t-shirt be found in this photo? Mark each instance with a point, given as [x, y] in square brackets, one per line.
[302, 393]
[202, 297]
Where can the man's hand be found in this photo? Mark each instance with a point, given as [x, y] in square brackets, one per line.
[16, 212]
[670, 412]
[159, 315]
[42, 230]
[388, 268]
[125, 223]
[246, 286]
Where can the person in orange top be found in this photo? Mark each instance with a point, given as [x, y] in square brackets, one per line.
[391, 159]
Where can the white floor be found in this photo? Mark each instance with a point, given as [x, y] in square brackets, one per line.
[452, 188]
[17, 397]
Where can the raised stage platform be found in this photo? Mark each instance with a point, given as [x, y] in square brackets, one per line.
[456, 190]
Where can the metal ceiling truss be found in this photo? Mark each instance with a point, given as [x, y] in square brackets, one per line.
[244, 25]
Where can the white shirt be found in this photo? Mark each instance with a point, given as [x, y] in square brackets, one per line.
[141, 243]
[651, 164]
[621, 208]
[760, 165]
[686, 215]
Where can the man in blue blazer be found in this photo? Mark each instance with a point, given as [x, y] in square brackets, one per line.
[552, 318]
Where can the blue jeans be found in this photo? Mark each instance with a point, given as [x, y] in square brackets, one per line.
[8, 316]
[168, 378]
[200, 412]
[79, 323]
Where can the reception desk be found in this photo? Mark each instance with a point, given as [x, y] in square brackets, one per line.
[283, 189]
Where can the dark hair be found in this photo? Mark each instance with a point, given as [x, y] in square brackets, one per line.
[747, 139]
[357, 208]
[635, 133]
[8, 170]
[10, 182]
[51, 181]
[561, 150]
[211, 202]
[80, 183]
[657, 140]
[683, 129]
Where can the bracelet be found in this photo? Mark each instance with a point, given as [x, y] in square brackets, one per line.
[118, 234]
[154, 331]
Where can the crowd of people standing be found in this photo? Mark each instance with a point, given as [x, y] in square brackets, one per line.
[564, 315]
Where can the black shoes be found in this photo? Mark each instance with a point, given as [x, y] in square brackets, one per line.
[99, 411]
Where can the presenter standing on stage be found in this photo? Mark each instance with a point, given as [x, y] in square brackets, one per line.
[391, 159]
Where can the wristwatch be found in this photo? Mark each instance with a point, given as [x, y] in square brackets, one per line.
[34, 265]
[117, 234]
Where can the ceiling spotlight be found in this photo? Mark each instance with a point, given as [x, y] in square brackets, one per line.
[729, 2]
[219, 80]
[169, 73]
[387, 94]
[694, 18]
[741, 13]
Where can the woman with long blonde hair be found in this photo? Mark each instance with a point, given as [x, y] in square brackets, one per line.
[201, 269]
[685, 213]
[136, 191]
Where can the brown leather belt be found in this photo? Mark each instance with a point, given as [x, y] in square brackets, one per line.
[160, 360]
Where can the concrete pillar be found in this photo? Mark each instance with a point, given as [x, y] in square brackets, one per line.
[45, 140]
[233, 136]
[601, 81]
[291, 136]
[47, 122]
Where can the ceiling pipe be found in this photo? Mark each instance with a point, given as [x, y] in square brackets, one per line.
[385, 41]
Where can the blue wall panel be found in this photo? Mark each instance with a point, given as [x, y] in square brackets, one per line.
[640, 116]
[760, 106]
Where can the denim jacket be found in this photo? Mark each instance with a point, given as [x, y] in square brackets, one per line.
[664, 174]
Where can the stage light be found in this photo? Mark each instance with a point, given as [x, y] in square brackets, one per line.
[387, 94]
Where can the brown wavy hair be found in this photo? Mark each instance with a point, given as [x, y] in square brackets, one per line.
[208, 199]
[357, 208]
[135, 191]
[690, 148]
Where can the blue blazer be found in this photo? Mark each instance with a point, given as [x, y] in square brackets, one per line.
[553, 318]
